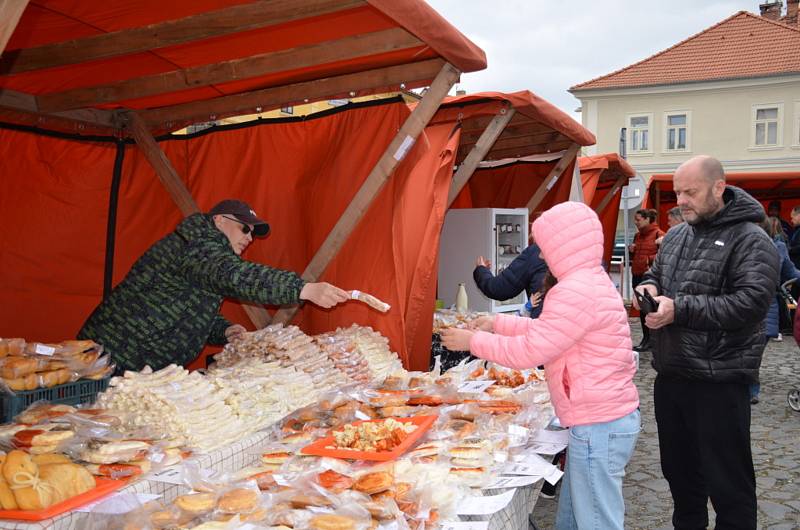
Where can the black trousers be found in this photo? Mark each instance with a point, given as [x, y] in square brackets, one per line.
[636, 280]
[704, 438]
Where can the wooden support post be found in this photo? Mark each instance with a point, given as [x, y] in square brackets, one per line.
[10, 13]
[610, 195]
[394, 153]
[657, 198]
[552, 177]
[478, 152]
[177, 190]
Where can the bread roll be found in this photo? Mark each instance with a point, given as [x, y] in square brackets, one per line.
[238, 500]
[372, 483]
[52, 458]
[196, 503]
[22, 475]
[7, 499]
[331, 521]
[66, 480]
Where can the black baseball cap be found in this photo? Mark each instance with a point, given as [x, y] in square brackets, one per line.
[242, 211]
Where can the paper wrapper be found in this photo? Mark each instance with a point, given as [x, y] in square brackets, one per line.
[370, 300]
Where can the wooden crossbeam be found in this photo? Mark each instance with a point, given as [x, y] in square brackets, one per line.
[522, 141]
[482, 146]
[394, 153]
[24, 109]
[478, 125]
[618, 184]
[352, 47]
[533, 149]
[552, 177]
[10, 13]
[233, 19]
[511, 131]
[277, 97]
[177, 189]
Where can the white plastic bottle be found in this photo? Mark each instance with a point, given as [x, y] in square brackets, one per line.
[462, 305]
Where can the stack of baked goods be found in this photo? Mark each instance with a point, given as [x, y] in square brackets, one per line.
[176, 404]
[31, 365]
[260, 393]
[342, 351]
[374, 347]
[35, 482]
[471, 460]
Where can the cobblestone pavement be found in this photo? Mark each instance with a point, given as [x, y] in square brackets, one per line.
[775, 431]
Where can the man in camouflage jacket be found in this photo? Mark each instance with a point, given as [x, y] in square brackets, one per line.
[167, 307]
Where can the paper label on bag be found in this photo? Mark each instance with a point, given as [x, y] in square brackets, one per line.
[319, 509]
[361, 416]
[485, 505]
[513, 482]
[42, 349]
[280, 480]
[474, 387]
[518, 430]
[119, 503]
[355, 294]
[402, 151]
[171, 475]
[465, 525]
[501, 457]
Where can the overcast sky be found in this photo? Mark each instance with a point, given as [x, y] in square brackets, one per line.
[548, 46]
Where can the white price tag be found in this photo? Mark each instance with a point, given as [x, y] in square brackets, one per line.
[501, 457]
[474, 387]
[513, 482]
[171, 475]
[280, 480]
[43, 349]
[465, 525]
[361, 416]
[319, 509]
[485, 505]
[402, 151]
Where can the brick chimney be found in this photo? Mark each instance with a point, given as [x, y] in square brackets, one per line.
[771, 10]
[791, 13]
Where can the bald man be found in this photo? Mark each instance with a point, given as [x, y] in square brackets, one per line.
[714, 279]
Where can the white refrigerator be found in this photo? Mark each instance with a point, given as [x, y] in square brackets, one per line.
[498, 234]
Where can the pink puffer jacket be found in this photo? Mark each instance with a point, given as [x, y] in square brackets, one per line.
[582, 336]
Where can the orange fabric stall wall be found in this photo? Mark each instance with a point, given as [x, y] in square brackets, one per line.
[512, 186]
[609, 216]
[54, 198]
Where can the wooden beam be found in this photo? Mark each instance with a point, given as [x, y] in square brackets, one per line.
[482, 146]
[533, 149]
[277, 97]
[478, 125]
[177, 189]
[552, 177]
[394, 153]
[10, 13]
[352, 47]
[233, 19]
[24, 109]
[620, 182]
[522, 141]
[511, 131]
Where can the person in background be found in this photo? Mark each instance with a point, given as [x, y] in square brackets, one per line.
[583, 340]
[525, 273]
[794, 239]
[643, 252]
[674, 218]
[774, 210]
[772, 226]
[166, 309]
[714, 279]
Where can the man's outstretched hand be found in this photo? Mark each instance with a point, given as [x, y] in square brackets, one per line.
[323, 294]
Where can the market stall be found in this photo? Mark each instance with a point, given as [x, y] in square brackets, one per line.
[764, 186]
[602, 177]
[250, 442]
[79, 86]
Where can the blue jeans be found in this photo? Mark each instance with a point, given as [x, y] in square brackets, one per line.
[591, 491]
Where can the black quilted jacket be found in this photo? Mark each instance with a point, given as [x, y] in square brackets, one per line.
[526, 272]
[722, 275]
[167, 307]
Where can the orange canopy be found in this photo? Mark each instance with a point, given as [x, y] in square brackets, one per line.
[160, 57]
[600, 176]
[764, 186]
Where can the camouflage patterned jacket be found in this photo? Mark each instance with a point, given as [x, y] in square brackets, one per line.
[167, 307]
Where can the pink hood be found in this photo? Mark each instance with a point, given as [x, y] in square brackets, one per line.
[582, 336]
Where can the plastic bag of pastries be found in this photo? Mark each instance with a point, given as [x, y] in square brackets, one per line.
[43, 439]
[38, 486]
[14, 347]
[17, 367]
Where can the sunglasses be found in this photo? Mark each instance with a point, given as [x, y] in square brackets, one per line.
[245, 227]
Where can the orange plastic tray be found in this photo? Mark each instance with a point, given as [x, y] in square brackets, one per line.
[103, 488]
[319, 448]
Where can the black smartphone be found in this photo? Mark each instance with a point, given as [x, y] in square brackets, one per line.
[647, 304]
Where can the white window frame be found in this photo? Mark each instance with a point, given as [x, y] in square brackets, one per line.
[796, 132]
[629, 134]
[665, 144]
[779, 136]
